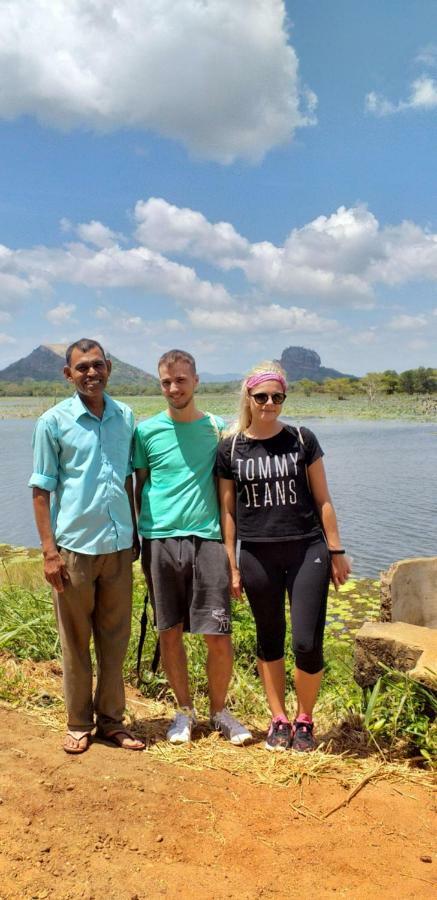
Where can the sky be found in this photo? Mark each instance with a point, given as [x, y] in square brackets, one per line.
[230, 177]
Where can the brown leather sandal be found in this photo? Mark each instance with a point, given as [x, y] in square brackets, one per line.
[116, 737]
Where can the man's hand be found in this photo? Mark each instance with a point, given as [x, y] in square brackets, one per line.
[236, 586]
[136, 548]
[55, 570]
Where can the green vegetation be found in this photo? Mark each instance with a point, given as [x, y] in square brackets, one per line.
[378, 395]
[298, 405]
[396, 717]
[398, 711]
[421, 381]
[28, 627]
[60, 389]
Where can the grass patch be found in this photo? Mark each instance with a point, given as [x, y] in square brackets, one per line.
[27, 626]
[297, 405]
[396, 720]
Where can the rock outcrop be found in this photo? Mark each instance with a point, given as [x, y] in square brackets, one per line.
[398, 645]
[299, 362]
[409, 592]
[406, 638]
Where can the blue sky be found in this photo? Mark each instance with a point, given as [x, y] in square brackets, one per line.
[227, 176]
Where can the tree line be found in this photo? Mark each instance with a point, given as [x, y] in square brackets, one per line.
[412, 381]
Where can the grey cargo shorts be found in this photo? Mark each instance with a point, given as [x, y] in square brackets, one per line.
[188, 580]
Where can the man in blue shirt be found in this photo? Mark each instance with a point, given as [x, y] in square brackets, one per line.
[82, 463]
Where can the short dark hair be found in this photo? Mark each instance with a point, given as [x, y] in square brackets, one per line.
[173, 356]
[84, 345]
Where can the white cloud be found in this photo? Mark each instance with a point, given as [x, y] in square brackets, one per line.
[103, 313]
[5, 316]
[6, 339]
[65, 224]
[314, 260]
[337, 258]
[12, 287]
[113, 267]
[119, 322]
[428, 56]
[173, 325]
[424, 93]
[261, 319]
[422, 96]
[137, 325]
[364, 338]
[97, 234]
[219, 75]
[407, 253]
[405, 322]
[169, 229]
[418, 344]
[331, 262]
[378, 105]
[61, 313]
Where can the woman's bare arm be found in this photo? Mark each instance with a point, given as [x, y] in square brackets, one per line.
[226, 489]
[319, 488]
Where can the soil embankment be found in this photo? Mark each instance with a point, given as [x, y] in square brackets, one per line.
[113, 824]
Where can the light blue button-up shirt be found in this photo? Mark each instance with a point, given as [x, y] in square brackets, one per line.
[83, 461]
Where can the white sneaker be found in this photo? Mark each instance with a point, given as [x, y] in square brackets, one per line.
[180, 729]
[230, 727]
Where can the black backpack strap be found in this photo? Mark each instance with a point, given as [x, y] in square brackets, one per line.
[143, 631]
[142, 638]
[296, 432]
[156, 657]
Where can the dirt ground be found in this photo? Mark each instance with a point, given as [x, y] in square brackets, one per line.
[118, 824]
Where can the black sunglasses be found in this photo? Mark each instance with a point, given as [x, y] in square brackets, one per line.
[262, 398]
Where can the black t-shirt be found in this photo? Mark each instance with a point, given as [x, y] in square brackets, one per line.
[273, 500]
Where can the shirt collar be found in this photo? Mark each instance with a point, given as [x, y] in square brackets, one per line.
[79, 409]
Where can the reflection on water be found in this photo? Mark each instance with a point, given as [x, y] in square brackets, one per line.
[382, 477]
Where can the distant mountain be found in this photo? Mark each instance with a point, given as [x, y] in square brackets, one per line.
[209, 377]
[46, 363]
[299, 363]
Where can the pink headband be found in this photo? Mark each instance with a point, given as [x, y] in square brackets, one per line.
[259, 377]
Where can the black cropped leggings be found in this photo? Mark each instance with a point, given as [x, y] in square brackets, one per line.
[302, 568]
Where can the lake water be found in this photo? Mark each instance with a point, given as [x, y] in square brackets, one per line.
[382, 477]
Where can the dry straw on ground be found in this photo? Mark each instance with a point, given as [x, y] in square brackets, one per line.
[343, 755]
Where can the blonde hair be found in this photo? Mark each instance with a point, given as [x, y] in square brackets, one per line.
[244, 417]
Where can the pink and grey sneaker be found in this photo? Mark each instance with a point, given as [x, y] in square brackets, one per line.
[279, 734]
[303, 738]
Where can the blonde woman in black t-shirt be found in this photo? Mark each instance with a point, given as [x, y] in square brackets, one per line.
[276, 504]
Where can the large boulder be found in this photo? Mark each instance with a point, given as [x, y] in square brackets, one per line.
[299, 362]
[409, 592]
[398, 645]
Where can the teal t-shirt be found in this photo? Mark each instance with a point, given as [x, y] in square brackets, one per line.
[179, 496]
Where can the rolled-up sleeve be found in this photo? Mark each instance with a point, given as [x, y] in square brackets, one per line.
[45, 457]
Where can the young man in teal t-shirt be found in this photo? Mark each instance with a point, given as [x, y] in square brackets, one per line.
[184, 560]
